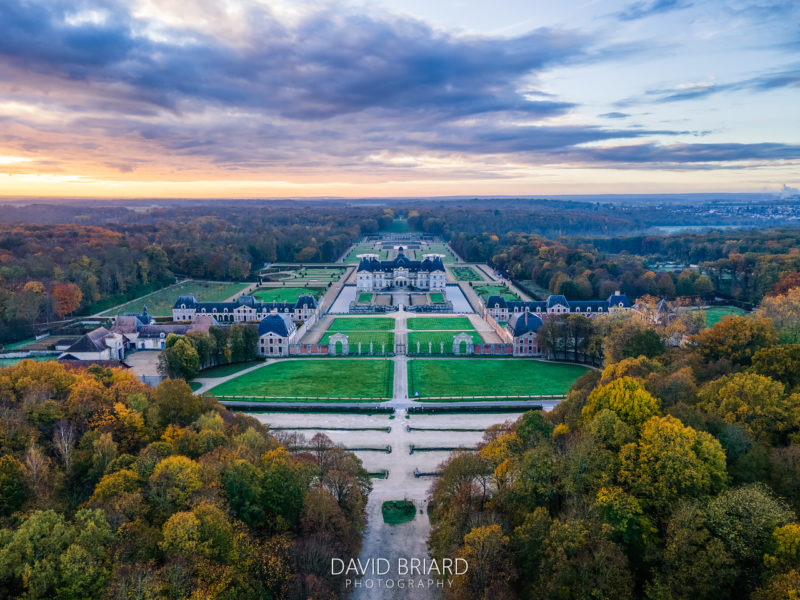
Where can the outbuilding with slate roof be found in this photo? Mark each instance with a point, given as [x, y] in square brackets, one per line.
[502, 310]
[243, 309]
[275, 332]
[523, 328]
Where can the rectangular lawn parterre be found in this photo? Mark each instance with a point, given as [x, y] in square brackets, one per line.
[490, 377]
[437, 338]
[484, 291]
[365, 337]
[159, 304]
[286, 293]
[296, 380]
[465, 274]
[365, 298]
[434, 323]
[362, 324]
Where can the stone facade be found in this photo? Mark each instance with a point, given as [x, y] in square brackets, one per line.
[244, 309]
[402, 272]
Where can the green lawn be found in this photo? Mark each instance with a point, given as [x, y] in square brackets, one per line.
[715, 314]
[307, 378]
[225, 370]
[159, 304]
[465, 274]
[396, 512]
[352, 257]
[365, 337]
[433, 323]
[490, 377]
[436, 296]
[484, 291]
[10, 362]
[364, 298]
[436, 338]
[441, 249]
[286, 293]
[362, 324]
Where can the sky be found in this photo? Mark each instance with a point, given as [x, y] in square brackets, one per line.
[293, 98]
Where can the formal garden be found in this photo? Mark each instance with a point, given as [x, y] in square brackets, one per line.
[465, 274]
[487, 290]
[287, 293]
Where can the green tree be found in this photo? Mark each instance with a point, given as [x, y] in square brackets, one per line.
[626, 397]
[781, 363]
[47, 557]
[744, 519]
[643, 343]
[691, 555]
[671, 462]
[735, 339]
[755, 402]
[13, 487]
[179, 358]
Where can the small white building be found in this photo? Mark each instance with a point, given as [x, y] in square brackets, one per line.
[99, 344]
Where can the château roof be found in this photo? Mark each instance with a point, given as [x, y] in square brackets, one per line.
[401, 261]
[276, 323]
[524, 322]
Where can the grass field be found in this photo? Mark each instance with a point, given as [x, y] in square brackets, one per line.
[159, 304]
[10, 362]
[286, 293]
[543, 293]
[484, 291]
[433, 323]
[441, 249]
[436, 338]
[436, 296]
[225, 370]
[465, 274]
[362, 324]
[352, 257]
[490, 377]
[297, 379]
[364, 298]
[715, 314]
[365, 337]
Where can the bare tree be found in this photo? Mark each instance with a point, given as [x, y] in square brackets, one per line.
[36, 465]
[64, 440]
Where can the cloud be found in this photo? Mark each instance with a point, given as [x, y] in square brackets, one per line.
[327, 90]
[641, 10]
[766, 82]
[688, 154]
[328, 64]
